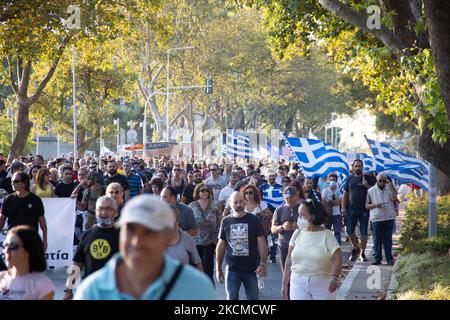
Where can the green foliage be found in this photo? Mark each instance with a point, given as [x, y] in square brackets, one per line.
[414, 235]
[422, 273]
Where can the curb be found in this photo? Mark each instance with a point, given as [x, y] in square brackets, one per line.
[390, 294]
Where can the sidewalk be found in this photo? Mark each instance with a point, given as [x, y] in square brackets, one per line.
[367, 282]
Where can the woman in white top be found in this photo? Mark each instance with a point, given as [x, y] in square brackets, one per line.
[314, 261]
[25, 278]
[254, 205]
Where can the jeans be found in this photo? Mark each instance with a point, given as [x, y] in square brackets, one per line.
[353, 217]
[233, 280]
[206, 253]
[382, 236]
[273, 247]
[310, 288]
[336, 222]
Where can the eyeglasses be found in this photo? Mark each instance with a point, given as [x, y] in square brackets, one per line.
[105, 209]
[12, 246]
[249, 192]
[213, 169]
[16, 181]
[204, 190]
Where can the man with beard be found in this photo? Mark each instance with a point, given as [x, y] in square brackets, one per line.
[354, 202]
[310, 193]
[227, 191]
[380, 201]
[188, 193]
[242, 243]
[112, 176]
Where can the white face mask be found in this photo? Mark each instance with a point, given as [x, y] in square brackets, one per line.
[333, 184]
[302, 223]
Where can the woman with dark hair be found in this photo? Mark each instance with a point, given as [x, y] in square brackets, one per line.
[42, 187]
[32, 172]
[254, 205]
[300, 190]
[314, 261]
[207, 217]
[25, 278]
[285, 181]
[156, 185]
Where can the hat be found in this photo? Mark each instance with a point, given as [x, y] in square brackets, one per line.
[289, 191]
[149, 211]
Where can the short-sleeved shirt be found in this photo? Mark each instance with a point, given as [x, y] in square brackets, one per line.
[120, 179]
[281, 215]
[241, 236]
[216, 185]
[90, 197]
[186, 217]
[190, 285]
[32, 286]
[206, 222]
[25, 210]
[135, 184]
[357, 192]
[64, 190]
[184, 250]
[225, 194]
[97, 246]
[327, 195]
[312, 252]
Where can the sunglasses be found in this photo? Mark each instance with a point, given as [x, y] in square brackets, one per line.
[12, 246]
[16, 181]
[384, 181]
[204, 190]
[251, 193]
[213, 169]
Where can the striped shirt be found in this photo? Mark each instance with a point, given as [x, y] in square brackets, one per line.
[272, 195]
[135, 183]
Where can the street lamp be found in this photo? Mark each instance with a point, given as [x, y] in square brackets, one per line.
[167, 86]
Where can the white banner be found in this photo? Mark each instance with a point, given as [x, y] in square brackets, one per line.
[60, 216]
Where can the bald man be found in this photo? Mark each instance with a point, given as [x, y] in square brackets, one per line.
[241, 241]
[380, 201]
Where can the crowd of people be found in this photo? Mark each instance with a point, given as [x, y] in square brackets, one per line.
[167, 225]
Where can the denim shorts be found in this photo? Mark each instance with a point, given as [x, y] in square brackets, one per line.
[353, 217]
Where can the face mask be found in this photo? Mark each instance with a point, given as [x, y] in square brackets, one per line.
[112, 171]
[105, 222]
[332, 184]
[302, 223]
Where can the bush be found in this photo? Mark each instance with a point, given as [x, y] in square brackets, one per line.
[422, 272]
[439, 292]
[414, 235]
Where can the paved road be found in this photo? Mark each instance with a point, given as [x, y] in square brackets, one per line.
[272, 283]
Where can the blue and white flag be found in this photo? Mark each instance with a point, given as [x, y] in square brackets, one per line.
[318, 158]
[399, 165]
[237, 145]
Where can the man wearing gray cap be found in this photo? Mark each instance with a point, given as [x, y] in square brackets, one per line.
[141, 270]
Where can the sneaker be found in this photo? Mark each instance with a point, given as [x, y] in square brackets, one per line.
[363, 257]
[376, 263]
[273, 259]
[354, 255]
[391, 262]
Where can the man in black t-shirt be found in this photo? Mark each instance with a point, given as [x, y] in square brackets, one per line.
[98, 244]
[65, 188]
[354, 202]
[23, 207]
[242, 242]
[112, 176]
[188, 193]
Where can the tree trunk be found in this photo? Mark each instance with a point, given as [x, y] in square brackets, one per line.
[433, 152]
[24, 126]
[289, 126]
[438, 22]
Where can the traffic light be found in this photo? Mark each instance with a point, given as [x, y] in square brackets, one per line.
[209, 86]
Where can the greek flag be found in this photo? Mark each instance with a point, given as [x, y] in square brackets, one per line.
[318, 158]
[237, 145]
[399, 165]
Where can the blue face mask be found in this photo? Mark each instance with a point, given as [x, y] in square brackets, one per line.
[103, 222]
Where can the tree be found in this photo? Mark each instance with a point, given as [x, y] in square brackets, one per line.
[32, 34]
[393, 61]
